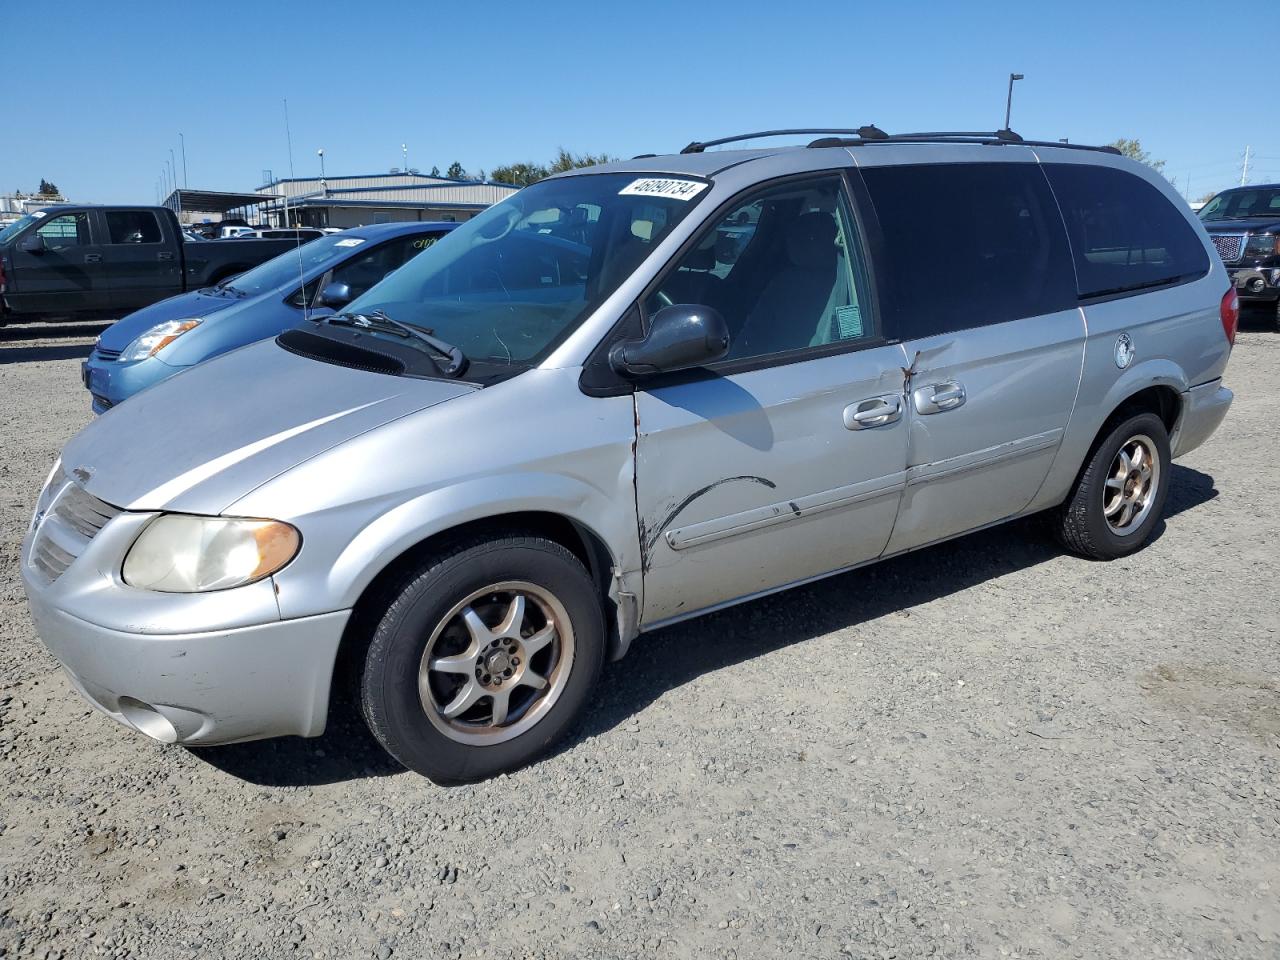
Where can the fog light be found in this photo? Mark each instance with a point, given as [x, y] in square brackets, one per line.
[148, 720]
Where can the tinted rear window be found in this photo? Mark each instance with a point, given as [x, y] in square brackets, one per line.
[1125, 235]
[968, 245]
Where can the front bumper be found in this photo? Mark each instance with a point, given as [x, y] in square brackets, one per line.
[1256, 283]
[245, 675]
[1203, 410]
[110, 381]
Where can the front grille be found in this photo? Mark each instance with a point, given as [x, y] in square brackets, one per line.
[71, 521]
[105, 354]
[1229, 246]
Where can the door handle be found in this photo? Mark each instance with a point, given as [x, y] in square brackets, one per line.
[875, 412]
[93, 258]
[164, 255]
[939, 397]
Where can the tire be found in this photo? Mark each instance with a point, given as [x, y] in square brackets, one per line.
[1091, 522]
[477, 661]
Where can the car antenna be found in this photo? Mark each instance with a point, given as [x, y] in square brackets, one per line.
[302, 276]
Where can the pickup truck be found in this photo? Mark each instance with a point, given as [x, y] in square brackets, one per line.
[1244, 224]
[78, 260]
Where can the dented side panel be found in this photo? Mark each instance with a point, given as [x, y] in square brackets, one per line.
[750, 481]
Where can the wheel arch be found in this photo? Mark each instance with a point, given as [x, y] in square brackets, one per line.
[579, 538]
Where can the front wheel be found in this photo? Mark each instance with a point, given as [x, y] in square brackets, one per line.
[483, 658]
[1120, 494]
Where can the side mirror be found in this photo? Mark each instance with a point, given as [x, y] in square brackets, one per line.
[680, 337]
[335, 295]
[32, 243]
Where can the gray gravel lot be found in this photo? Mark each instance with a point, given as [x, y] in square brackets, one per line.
[989, 748]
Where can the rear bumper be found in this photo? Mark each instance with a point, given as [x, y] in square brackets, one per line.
[1203, 409]
[247, 683]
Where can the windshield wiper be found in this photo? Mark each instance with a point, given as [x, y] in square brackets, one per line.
[378, 320]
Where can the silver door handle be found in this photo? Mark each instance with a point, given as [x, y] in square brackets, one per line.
[875, 412]
[939, 397]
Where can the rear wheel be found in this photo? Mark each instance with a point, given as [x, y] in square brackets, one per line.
[483, 658]
[1120, 494]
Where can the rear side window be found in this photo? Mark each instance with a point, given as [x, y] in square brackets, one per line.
[968, 245]
[132, 226]
[1125, 234]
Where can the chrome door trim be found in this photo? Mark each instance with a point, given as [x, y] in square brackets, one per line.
[721, 528]
[979, 459]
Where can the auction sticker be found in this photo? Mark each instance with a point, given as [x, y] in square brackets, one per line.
[350, 242]
[663, 187]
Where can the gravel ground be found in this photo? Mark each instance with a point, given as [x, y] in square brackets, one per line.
[989, 748]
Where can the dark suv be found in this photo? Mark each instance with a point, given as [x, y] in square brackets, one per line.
[1244, 224]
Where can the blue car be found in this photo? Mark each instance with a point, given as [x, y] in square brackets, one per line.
[154, 343]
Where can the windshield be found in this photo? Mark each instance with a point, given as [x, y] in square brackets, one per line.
[278, 271]
[510, 284]
[1245, 202]
[15, 228]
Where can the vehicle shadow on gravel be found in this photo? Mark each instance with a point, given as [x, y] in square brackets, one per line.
[1259, 318]
[35, 347]
[669, 658]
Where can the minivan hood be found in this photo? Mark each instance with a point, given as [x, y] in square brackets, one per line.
[184, 306]
[201, 440]
[1244, 225]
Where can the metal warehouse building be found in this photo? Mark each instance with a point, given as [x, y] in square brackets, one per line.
[376, 198]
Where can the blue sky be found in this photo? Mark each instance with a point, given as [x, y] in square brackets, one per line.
[97, 93]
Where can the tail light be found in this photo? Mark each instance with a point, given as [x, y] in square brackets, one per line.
[1229, 311]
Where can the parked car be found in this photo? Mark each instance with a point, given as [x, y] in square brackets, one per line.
[290, 233]
[100, 260]
[504, 462]
[1244, 224]
[167, 337]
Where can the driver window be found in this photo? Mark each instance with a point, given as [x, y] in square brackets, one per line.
[783, 267]
[68, 230]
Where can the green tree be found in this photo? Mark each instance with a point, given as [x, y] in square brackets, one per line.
[455, 171]
[519, 174]
[435, 171]
[571, 161]
[1133, 150]
[48, 189]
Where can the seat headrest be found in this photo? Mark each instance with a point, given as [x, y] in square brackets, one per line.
[811, 240]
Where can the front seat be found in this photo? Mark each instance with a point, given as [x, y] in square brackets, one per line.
[794, 302]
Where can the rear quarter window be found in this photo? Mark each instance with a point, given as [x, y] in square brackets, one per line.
[1125, 234]
[967, 245]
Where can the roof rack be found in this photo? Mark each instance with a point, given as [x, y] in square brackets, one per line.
[873, 134]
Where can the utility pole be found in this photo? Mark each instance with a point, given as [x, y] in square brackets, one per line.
[1244, 171]
[183, 140]
[1008, 104]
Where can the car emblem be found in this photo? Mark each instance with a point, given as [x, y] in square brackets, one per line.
[1124, 350]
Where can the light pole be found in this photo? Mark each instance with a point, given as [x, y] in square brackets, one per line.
[324, 187]
[1008, 104]
[183, 140]
[404, 153]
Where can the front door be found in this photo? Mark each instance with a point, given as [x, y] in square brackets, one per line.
[786, 460]
[66, 274]
[141, 266]
[992, 332]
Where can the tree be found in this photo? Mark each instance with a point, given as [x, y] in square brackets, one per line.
[1207, 197]
[520, 174]
[1133, 150]
[435, 171]
[455, 171]
[524, 173]
[48, 189]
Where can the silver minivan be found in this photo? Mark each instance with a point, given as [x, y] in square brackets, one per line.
[623, 397]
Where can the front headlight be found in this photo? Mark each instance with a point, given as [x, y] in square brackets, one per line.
[157, 338]
[179, 553]
[1264, 246]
